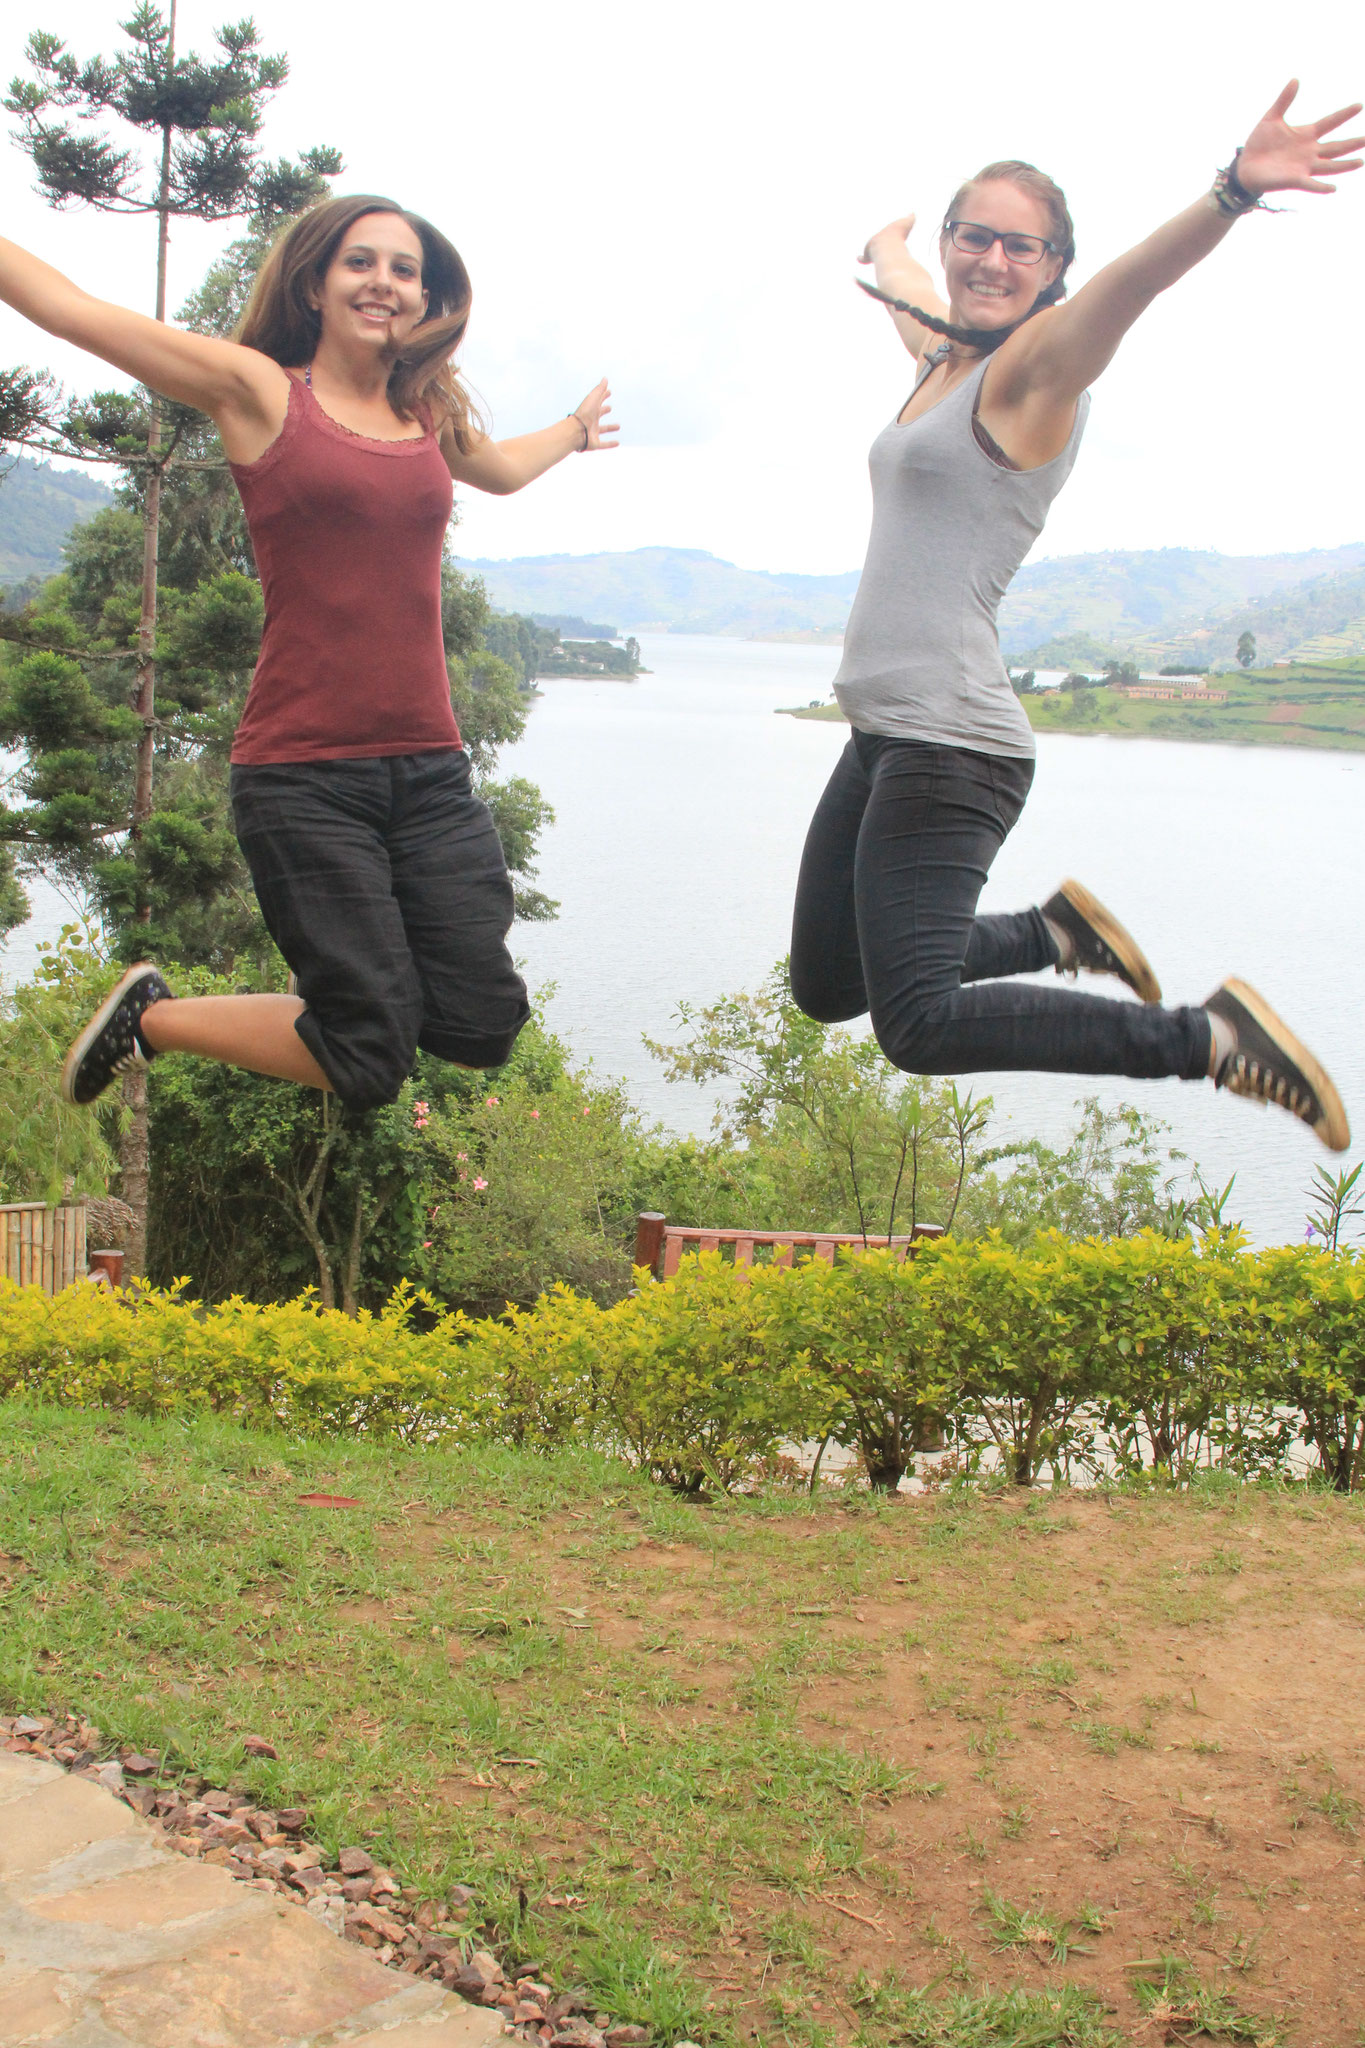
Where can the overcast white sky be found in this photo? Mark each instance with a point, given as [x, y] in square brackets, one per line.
[675, 196]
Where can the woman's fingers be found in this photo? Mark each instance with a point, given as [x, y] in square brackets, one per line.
[1330, 121]
[1285, 101]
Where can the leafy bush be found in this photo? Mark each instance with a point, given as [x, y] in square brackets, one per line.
[1152, 1355]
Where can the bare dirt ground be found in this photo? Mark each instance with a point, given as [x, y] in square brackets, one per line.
[1143, 1720]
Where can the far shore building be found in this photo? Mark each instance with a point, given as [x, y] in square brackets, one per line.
[1174, 690]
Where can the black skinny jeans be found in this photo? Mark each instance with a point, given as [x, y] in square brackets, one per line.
[895, 860]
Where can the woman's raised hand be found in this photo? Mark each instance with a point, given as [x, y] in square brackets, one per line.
[899, 229]
[1277, 157]
[593, 411]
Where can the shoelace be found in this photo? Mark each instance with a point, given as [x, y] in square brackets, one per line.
[1246, 1076]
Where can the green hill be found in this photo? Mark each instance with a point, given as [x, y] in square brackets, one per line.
[672, 590]
[1153, 598]
[1071, 610]
[39, 505]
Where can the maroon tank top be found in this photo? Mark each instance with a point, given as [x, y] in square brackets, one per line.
[348, 534]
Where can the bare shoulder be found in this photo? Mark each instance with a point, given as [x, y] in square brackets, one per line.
[255, 400]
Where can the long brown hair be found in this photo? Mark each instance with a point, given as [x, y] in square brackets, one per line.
[282, 322]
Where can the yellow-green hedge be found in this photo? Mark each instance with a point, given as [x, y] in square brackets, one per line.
[1131, 1353]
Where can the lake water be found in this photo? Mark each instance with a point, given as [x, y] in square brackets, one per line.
[681, 805]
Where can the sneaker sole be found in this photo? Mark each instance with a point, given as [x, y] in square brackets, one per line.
[1334, 1129]
[81, 1046]
[1117, 938]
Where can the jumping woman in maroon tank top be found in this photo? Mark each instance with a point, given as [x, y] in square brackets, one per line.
[378, 871]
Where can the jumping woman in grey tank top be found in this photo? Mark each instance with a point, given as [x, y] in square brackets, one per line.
[940, 760]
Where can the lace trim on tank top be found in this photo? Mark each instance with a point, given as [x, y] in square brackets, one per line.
[981, 433]
[369, 440]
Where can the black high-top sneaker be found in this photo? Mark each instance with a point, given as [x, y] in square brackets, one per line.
[1099, 943]
[1269, 1064]
[111, 1044]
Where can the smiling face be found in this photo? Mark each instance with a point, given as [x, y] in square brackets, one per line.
[988, 290]
[371, 293]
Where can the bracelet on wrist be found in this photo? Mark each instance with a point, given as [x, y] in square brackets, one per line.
[1229, 196]
[582, 449]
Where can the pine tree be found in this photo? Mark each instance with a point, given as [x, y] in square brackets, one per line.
[203, 117]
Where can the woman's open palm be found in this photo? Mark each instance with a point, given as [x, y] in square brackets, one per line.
[1277, 157]
[593, 411]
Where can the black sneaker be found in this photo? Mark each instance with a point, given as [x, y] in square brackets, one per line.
[110, 1044]
[1270, 1065]
[1099, 943]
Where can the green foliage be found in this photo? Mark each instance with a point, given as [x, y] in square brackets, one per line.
[529, 1185]
[837, 1137]
[1055, 1355]
[212, 108]
[49, 1150]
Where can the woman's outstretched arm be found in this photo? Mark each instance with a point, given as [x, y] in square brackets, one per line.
[220, 378]
[901, 277]
[1062, 352]
[506, 466]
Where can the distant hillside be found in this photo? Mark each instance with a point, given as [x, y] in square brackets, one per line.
[675, 590]
[1145, 599]
[39, 506]
[1172, 602]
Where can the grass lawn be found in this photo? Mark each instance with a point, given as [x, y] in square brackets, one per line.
[1088, 1768]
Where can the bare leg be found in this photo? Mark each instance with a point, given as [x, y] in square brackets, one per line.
[255, 1032]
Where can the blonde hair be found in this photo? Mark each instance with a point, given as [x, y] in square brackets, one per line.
[282, 321]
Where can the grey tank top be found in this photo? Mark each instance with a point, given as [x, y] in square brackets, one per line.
[950, 527]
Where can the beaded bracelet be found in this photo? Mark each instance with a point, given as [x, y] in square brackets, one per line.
[1230, 196]
[584, 425]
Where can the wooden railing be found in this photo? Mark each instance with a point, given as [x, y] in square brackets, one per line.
[659, 1244]
[43, 1247]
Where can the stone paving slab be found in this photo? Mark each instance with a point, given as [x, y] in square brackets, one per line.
[110, 1940]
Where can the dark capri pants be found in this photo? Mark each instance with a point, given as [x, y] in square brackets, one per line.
[382, 881]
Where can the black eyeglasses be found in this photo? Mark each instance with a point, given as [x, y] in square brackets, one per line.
[974, 240]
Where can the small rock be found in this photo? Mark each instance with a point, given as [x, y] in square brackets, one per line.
[292, 1818]
[302, 1858]
[310, 1879]
[355, 1863]
[139, 1766]
[261, 1823]
[140, 1798]
[384, 1880]
[488, 1966]
[188, 1844]
[527, 1987]
[217, 1802]
[527, 2009]
[460, 1896]
[30, 1724]
[567, 2003]
[330, 1911]
[356, 1890]
[627, 2037]
[466, 1980]
[436, 1947]
[256, 1745]
[578, 2034]
[110, 1776]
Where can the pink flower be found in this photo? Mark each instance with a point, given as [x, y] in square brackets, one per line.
[535, 1115]
[462, 1155]
[462, 1176]
[479, 1183]
[492, 1102]
[585, 1112]
[421, 1107]
[426, 1244]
